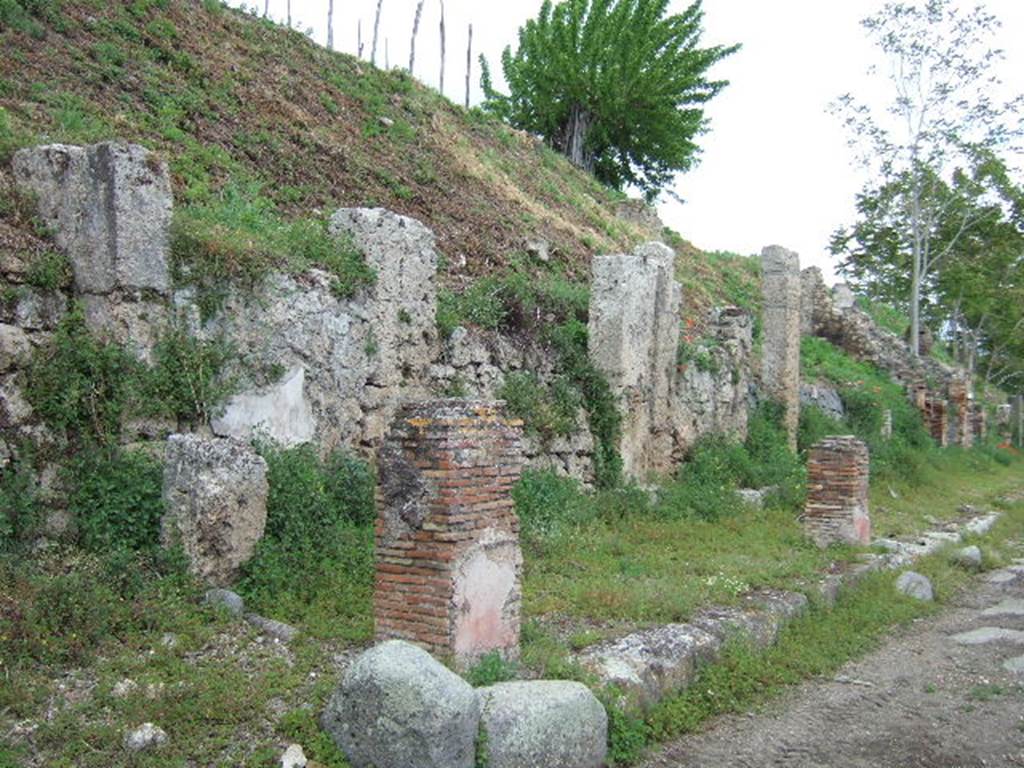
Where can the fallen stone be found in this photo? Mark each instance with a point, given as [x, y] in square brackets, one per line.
[227, 600]
[397, 707]
[982, 525]
[913, 584]
[146, 736]
[543, 724]
[276, 630]
[1016, 665]
[1004, 576]
[215, 494]
[293, 757]
[989, 635]
[124, 688]
[1011, 607]
[969, 558]
[751, 496]
[647, 665]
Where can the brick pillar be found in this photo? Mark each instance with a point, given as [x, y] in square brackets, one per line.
[937, 419]
[837, 492]
[448, 563]
[959, 397]
[780, 358]
[980, 422]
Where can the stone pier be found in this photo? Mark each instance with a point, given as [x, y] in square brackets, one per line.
[633, 340]
[780, 371]
[960, 399]
[936, 417]
[448, 563]
[980, 422]
[838, 470]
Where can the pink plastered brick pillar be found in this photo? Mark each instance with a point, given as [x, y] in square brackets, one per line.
[838, 470]
[448, 562]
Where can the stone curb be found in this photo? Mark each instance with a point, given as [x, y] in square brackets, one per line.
[648, 665]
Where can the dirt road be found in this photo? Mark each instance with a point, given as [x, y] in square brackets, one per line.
[948, 692]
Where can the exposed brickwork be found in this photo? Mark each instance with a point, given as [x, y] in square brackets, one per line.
[936, 418]
[837, 492]
[448, 563]
[962, 430]
[980, 422]
[780, 355]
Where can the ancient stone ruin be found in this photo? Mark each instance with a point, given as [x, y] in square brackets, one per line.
[447, 557]
[837, 492]
[962, 428]
[215, 494]
[780, 357]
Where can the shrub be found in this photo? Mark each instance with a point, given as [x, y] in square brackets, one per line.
[186, 380]
[546, 411]
[490, 669]
[79, 385]
[49, 271]
[19, 503]
[116, 498]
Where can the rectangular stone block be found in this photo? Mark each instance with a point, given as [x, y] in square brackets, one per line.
[448, 563]
[110, 206]
[780, 356]
[838, 471]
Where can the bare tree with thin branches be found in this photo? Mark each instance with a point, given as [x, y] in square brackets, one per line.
[376, 29]
[469, 63]
[359, 39]
[415, 31]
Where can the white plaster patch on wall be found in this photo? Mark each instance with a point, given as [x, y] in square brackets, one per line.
[282, 412]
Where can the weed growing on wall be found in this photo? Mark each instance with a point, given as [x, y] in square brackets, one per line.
[546, 411]
[20, 507]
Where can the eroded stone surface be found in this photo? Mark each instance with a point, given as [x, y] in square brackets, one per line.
[989, 635]
[215, 493]
[915, 585]
[396, 707]
[780, 356]
[543, 724]
[281, 412]
[1013, 607]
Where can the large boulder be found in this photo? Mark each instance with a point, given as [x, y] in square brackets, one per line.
[915, 585]
[543, 724]
[215, 493]
[396, 707]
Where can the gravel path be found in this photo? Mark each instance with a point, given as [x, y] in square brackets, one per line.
[947, 692]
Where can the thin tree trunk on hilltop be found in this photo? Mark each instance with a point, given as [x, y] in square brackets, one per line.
[266, 8]
[376, 29]
[469, 63]
[359, 39]
[330, 25]
[415, 31]
[289, 14]
[441, 86]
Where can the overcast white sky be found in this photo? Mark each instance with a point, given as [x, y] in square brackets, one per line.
[775, 166]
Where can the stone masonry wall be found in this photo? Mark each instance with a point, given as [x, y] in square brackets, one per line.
[780, 361]
[837, 492]
[447, 555]
[962, 427]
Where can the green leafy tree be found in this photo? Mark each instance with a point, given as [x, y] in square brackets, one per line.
[616, 86]
[943, 117]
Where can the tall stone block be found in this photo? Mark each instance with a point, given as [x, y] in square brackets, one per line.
[838, 471]
[109, 205]
[633, 339]
[780, 372]
[215, 495]
[448, 563]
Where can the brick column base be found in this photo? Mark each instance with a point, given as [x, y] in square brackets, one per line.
[448, 563]
[837, 492]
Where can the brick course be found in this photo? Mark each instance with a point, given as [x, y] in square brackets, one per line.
[448, 563]
[837, 492]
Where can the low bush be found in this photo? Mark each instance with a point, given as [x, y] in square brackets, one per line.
[315, 561]
[546, 411]
[549, 505]
[19, 503]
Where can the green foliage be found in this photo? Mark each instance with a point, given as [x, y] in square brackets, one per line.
[628, 734]
[301, 727]
[616, 85]
[699, 352]
[547, 411]
[81, 386]
[11, 139]
[315, 560]
[491, 669]
[549, 505]
[29, 16]
[20, 507]
[116, 499]
[186, 380]
[569, 339]
[239, 238]
[49, 270]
